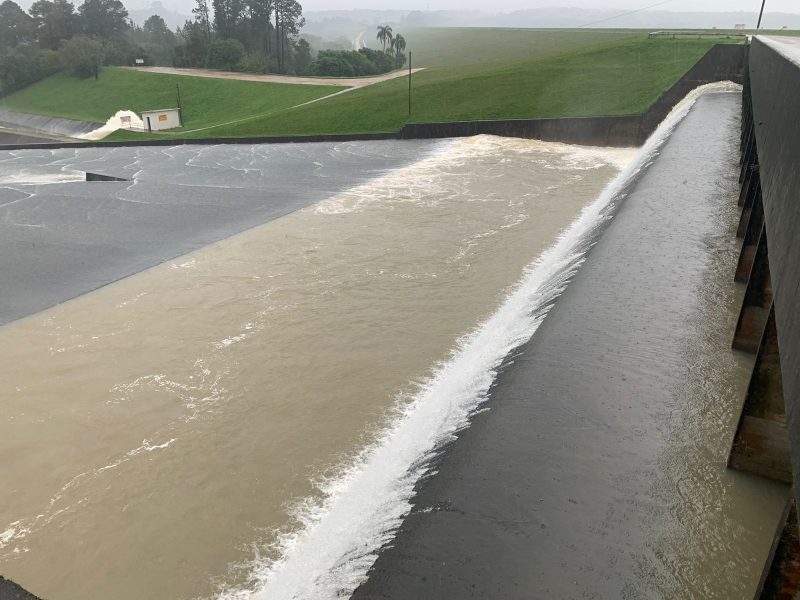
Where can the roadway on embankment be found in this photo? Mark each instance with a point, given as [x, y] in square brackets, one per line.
[349, 82]
[599, 470]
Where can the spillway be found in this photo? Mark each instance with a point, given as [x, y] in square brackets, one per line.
[188, 420]
[465, 368]
[599, 468]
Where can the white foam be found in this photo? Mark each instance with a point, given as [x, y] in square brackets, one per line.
[408, 184]
[339, 536]
[32, 177]
[113, 124]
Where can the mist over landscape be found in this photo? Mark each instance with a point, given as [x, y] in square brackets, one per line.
[344, 21]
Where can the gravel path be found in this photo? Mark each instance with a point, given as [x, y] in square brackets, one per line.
[350, 82]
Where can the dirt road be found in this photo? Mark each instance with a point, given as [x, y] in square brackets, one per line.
[350, 82]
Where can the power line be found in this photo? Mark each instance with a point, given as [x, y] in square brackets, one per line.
[625, 14]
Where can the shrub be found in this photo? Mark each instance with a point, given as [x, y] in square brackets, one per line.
[82, 56]
[24, 65]
[225, 54]
[347, 63]
[253, 62]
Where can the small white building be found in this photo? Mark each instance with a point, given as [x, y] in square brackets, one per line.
[166, 118]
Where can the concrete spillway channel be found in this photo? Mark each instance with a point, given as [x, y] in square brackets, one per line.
[599, 469]
[595, 390]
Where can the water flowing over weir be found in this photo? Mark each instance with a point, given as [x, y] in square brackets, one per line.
[600, 468]
[361, 507]
[256, 419]
[187, 414]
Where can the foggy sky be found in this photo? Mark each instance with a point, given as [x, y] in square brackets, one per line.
[791, 6]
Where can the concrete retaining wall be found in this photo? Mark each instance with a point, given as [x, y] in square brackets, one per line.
[45, 125]
[170, 141]
[723, 62]
[775, 90]
[594, 131]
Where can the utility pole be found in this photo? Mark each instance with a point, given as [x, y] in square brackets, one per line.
[180, 108]
[409, 83]
[761, 14]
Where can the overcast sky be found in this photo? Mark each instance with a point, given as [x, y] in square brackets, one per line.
[508, 5]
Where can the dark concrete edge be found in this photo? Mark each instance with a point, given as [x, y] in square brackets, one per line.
[613, 130]
[13, 591]
[285, 139]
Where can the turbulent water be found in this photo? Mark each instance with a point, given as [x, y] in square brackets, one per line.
[248, 420]
[183, 432]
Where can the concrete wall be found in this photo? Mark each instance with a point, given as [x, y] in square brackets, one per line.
[723, 62]
[55, 126]
[171, 141]
[775, 93]
[594, 131]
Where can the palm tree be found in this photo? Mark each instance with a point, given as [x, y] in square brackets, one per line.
[384, 35]
[399, 44]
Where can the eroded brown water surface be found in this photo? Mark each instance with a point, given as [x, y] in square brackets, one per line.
[157, 433]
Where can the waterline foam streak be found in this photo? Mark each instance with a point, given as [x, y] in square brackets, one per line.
[341, 535]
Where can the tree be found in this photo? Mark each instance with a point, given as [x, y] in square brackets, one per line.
[225, 54]
[288, 21]
[192, 50]
[53, 22]
[15, 25]
[82, 56]
[398, 45]
[259, 28]
[302, 56]
[155, 31]
[384, 35]
[227, 17]
[202, 16]
[104, 19]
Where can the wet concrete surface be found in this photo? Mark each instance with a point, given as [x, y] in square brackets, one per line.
[599, 469]
[9, 137]
[61, 237]
[11, 591]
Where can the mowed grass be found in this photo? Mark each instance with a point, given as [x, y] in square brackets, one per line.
[622, 76]
[472, 47]
[469, 74]
[205, 101]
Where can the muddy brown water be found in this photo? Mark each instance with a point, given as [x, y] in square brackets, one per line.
[158, 434]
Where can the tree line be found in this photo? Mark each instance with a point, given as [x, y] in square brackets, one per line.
[365, 61]
[250, 35]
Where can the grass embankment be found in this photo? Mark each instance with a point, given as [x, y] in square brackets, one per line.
[205, 101]
[470, 74]
[618, 77]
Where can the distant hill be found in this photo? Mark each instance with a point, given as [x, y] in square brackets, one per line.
[173, 19]
[330, 23]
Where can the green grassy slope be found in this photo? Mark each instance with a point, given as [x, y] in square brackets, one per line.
[467, 47]
[618, 77]
[205, 101]
[470, 74]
